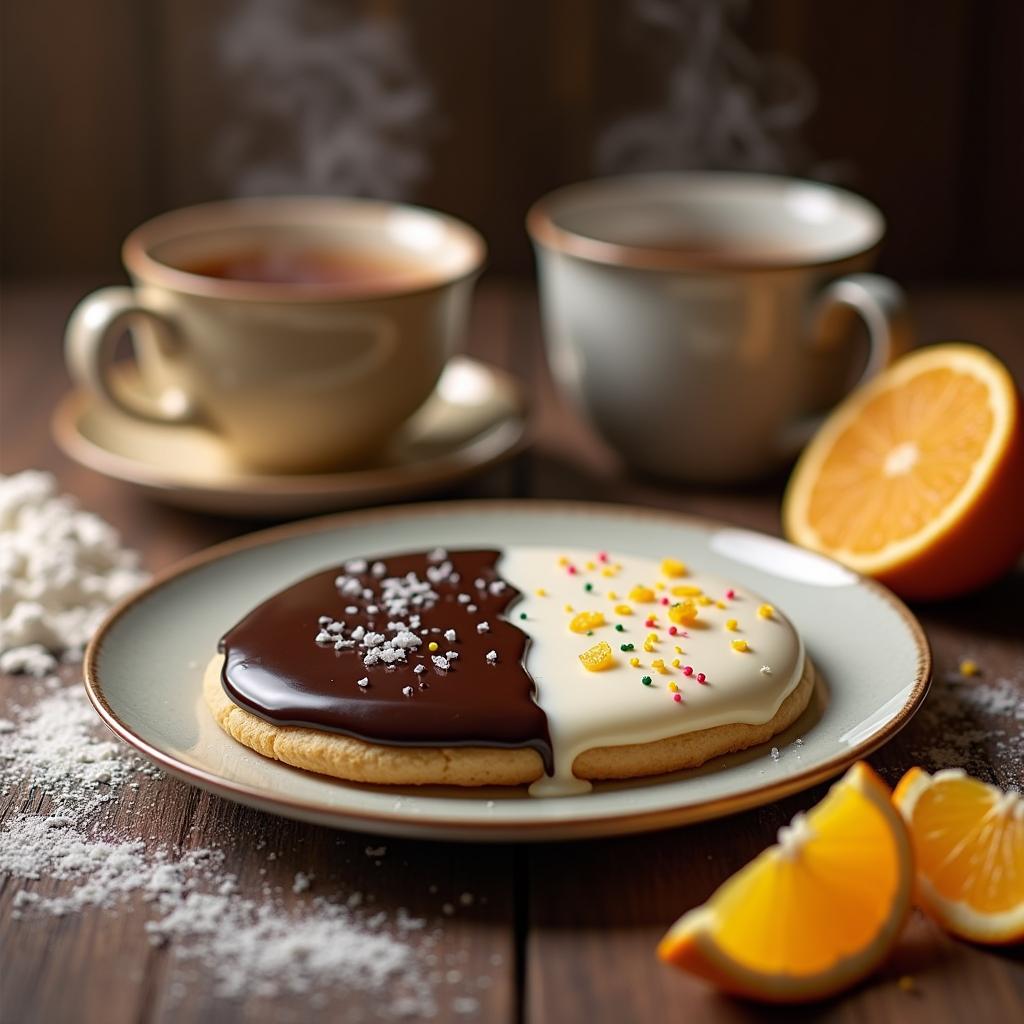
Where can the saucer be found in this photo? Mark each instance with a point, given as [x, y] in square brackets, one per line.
[475, 418]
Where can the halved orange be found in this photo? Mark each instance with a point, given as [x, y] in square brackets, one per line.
[969, 840]
[813, 914]
[917, 478]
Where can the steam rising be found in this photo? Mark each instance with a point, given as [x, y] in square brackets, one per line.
[327, 101]
[725, 107]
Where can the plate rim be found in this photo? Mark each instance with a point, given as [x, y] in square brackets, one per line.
[139, 473]
[433, 826]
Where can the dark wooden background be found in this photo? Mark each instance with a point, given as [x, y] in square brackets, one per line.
[112, 110]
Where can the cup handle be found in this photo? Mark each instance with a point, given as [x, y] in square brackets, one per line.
[90, 341]
[882, 305]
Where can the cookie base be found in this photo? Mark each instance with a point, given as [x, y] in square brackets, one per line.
[355, 760]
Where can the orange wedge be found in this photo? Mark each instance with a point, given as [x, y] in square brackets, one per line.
[813, 914]
[917, 478]
[969, 840]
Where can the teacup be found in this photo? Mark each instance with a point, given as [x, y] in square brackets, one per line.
[689, 314]
[303, 331]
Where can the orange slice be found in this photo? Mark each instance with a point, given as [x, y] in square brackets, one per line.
[813, 914]
[917, 478]
[969, 841]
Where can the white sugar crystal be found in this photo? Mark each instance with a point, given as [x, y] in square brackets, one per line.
[364, 682]
[355, 565]
[439, 662]
[408, 691]
[335, 627]
[323, 637]
[372, 639]
[470, 608]
[450, 635]
[437, 555]
[420, 669]
[451, 655]
[351, 609]
[497, 587]
[766, 670]
[492, 656]
[483, 627]
[61, 569]
[358, 633]
[464, 599]
[480, 583]
[406, 639]
[379, 569]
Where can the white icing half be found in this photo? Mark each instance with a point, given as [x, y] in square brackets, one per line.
[612, 707]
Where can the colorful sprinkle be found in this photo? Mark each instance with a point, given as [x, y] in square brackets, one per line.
[701, 678]
[612, 596]
[641, 594]
[675, 663]
[969, 668]
[607, 572]
[646, 680]
[766, 611]
[625, 647]
[677, 697]
[522, 615]
[602, 556]
[586, 621]
[721, 604]
[635, 662]
[651, 622]
[623, 609]
[664, 600]
[541, 592]
[567, 607]
[672, 631]
[730, 593]
[659, 664]
[704, 600]
[687, 670]
[671, 567]
[572, 570]
[659, 585]
[598, 657]
[732, 625]
[563, 560]
[619, 627]
[591, 566]
[673, 688]
[678, 649]
[740, 645]
[683, 612]
[588, 587]
[432, 646]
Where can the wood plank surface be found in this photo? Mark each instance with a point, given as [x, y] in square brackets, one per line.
[558, 933]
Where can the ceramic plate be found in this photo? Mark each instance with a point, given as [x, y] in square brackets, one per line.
[143, 670]
[475, 418]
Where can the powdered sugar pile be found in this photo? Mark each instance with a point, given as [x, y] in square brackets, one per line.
[61, 569]
[54, 747]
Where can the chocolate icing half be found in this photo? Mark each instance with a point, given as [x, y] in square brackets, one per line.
[275, 667]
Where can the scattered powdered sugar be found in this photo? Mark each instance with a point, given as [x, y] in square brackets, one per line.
[61, 570]
[260, 945]
[972, 723]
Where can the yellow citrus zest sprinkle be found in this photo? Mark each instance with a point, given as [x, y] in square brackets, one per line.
[675, 662]
[586, 621]
[732, 625]
[623, 609]
[641, 594]
[432, 646]
[673, 688]
[659, 664]
[683, 613]
[608, 571]
[659, 585]
[969, 668]
[704, 600]
[686, 590]
[563, 560]
[612, 596]
[567, 607]
[766, 611]
[541, 592]
[740, 645]
[598, 657]
[671, 567]
[720, 604]
[679, 649]
[635, 662]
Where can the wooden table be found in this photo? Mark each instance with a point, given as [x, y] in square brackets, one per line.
[560, 933]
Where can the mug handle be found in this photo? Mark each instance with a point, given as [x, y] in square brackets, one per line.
[90, 341]
[882, 305]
